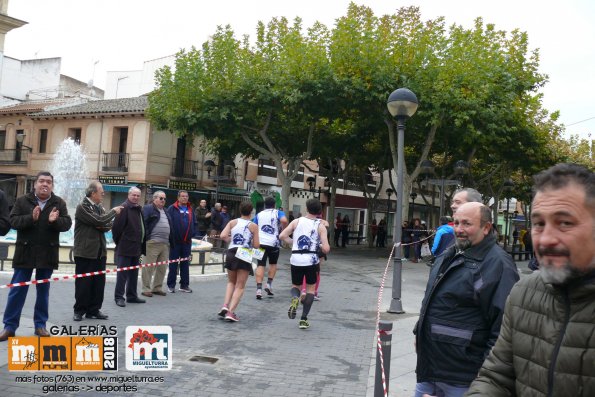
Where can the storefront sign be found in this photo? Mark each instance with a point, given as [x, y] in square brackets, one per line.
[113, 179]
[182, 185]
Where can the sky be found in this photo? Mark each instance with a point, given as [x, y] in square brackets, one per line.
[96, 36]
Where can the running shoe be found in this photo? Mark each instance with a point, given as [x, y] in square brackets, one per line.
[185, 289]
[171, 290]
[259, 294]
[223, 311]
[231, 317]
[293, 307]
[269, 290]
[304, 324]
[316, 297]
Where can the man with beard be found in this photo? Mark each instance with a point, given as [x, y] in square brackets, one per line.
[462, 309]
[546, 346]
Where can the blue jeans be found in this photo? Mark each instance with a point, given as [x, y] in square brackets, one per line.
[175, 252]
[439, 389]
[18, 295]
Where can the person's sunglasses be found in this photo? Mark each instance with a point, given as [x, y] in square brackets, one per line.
[161, 198]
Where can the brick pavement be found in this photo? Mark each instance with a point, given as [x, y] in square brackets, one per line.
[265, 354]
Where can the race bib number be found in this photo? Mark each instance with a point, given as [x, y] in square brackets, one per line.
[258, 253]
[244, 254]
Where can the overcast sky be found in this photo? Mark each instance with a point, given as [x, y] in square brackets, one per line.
[121, 34]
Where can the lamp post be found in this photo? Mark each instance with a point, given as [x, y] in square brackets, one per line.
[461, 168]
[389, 192]
[413, 196]
[507, 188]
[20, 137]
[210, 166]
[312, 185]
[402, 104]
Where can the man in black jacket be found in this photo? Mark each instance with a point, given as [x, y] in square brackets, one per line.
[462, 309]
[129, 235]
[90, 252]
[38, 217]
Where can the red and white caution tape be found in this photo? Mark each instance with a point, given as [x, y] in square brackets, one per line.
[80, 275]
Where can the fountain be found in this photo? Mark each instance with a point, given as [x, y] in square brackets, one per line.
[71, 177]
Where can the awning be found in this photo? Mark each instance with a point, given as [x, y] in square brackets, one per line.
[118, 188]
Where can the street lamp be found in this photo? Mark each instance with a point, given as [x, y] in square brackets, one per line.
[402, 104]
[461, 168]
[20, 137]
[413, 196]
[507, 188]
[312, 185]
[210, 166]
[389, 192]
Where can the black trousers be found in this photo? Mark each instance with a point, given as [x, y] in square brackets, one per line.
[88, 291]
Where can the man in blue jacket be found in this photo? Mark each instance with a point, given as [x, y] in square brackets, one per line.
[445, 237]
[183, 226]
[462, 309]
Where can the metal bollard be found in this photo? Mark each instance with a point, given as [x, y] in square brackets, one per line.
[385, 328]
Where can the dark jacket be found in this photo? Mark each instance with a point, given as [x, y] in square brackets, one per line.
[216, 220]
[91, 223]
[461, 312]
[151, 216]
[128, 230]
[546, 345]
[38, 243]
[183, 230]
[202, 222]
[4, 214]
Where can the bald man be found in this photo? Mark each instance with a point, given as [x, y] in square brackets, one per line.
[462, 309]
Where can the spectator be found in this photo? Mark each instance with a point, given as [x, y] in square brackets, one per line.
[338, 223]
[373, 231]
[183, 228]
[90, 252]
[216, 226]
[38, 217]
[159, 239]
[444, 238]
[462, 309]
[381, 240]
[546, 345]
[203, 219]
[128, 232]
[345, 226]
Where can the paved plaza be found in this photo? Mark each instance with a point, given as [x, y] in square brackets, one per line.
[265, 354]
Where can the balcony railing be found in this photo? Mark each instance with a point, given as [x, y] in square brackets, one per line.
[115, 162]
[14, 156]
[184, 168]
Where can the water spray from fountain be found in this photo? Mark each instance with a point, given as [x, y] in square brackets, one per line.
[71, 177]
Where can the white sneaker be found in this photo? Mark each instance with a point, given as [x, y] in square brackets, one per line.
[259, 294]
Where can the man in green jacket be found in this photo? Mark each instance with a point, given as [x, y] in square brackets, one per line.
[546, 345]
[90, 252]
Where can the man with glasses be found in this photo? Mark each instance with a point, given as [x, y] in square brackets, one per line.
[159, 238]
[462, 309]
